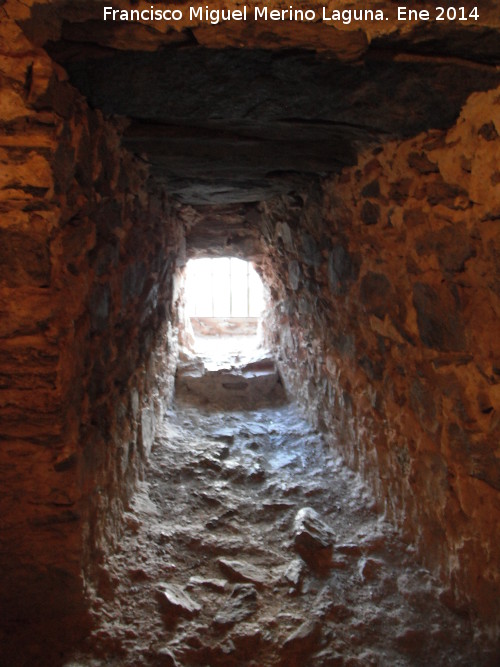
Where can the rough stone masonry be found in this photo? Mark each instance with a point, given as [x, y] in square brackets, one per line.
[356, 165]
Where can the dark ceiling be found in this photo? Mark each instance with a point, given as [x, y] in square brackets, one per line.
[220, 126]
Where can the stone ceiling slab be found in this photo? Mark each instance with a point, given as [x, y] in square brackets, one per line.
[233, 112]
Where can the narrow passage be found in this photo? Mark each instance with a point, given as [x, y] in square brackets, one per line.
[250, 543]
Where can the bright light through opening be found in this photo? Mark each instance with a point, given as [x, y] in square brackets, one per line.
[223, 287]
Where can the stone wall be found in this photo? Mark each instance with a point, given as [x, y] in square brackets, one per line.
[386, 288]
[387, 325]
[87, 340]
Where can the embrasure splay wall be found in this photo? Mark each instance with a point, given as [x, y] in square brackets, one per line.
[87, 336]
[387, 325]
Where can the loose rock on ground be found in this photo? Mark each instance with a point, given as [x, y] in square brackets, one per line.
[220, 567]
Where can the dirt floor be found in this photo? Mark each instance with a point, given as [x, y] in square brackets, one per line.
[250, 543]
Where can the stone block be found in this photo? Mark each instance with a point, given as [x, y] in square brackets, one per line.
[476, 454]
[376, 294]
[240, 605]
[134, 280]
[439, 318]
[148, 428]
[311, 254]
[243, 572]
[25, 170]
[488, 131]
[451, 244]
[294, 274]
[371, 190]
[24, 257]
[313, 539]
[99, 307]
[175, 602]
[370, 213]
[425, 403]
[301, 641]
[63, 164]
[421, 163]
[399, 190]
[108, 220]
[342, 270]
[445, 194]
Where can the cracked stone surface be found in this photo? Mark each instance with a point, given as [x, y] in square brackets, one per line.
[207, 571]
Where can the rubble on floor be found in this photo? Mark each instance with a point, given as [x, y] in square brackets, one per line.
[223, 567]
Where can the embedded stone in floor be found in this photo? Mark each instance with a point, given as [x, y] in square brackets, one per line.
[329, 658]
[300, 643]
[294, 571]
[240, 605]
[165, 658]
[218, 585]
[313, 538]
[243, 572]
[224, 435]
[175, 602]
